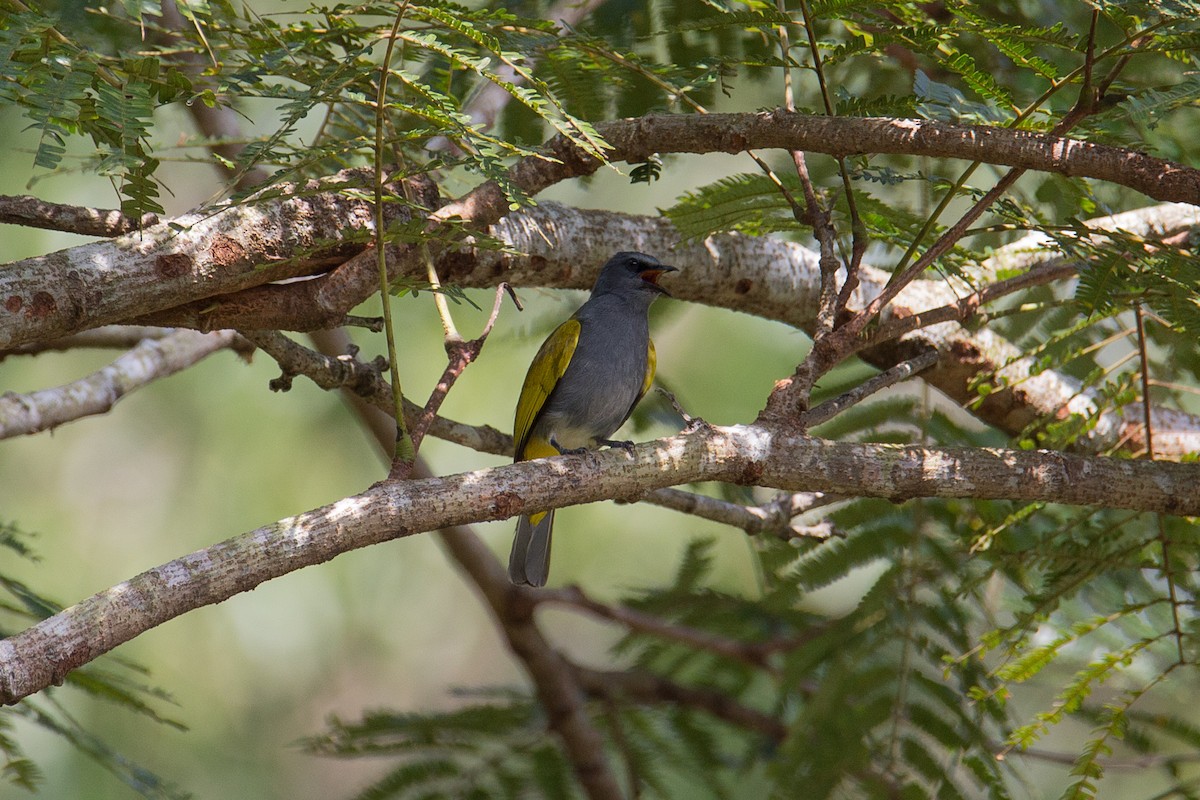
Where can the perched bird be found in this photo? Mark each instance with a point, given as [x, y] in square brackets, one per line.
[582, 385]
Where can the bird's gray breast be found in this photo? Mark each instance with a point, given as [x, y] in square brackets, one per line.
[604, 377]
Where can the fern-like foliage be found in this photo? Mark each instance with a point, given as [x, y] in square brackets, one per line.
[493, 749]
[119, 682]
[1107, 607]
[748, 203]
[67, 89]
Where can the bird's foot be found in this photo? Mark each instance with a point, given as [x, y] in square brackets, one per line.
[566, 451]
[624, 445]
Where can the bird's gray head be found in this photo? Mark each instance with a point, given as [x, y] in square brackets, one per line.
[628, 272]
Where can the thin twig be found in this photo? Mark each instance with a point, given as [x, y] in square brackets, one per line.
[902, 371]
[1142, 762]
[461, 354]
[344, 371]
[695, 638]
[968, 307]
[405, 452]
[858, 229]
[755, 654]
[953, 192]
[121, 337]
[1163, 541]
[792, 393]
[1140, 327]
[612, 710]
[653, 689]
[773, 518]
[449, 331]
[340, 369]
[813, 213]
[1084, 106]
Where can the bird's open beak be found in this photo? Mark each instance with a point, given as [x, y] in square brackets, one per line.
[651, 276]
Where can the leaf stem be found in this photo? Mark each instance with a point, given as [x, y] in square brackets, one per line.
[404, 454]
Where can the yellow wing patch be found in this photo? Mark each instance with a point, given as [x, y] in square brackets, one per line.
[548, 366]
[651, 364]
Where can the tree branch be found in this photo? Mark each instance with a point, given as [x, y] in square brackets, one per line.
[33, 212]
[780, 280]
[775, 517]
[890, 377]
[119, 337]
[99, 392]
[192, 257]
[754, 654]
[43, 654]
[645, 687]
[366, 381]
[635, 140]
[300, 234]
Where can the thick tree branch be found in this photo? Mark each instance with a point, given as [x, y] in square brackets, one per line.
[780, 280]
[309, 230]
[195, 256]
[635, 140]
[311, 305]
[46, 652]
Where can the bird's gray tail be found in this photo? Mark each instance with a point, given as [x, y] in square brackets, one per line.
[529, 562]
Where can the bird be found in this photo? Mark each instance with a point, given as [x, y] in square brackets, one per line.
[582, 385]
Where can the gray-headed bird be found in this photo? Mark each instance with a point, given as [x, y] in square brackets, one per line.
[582, 385]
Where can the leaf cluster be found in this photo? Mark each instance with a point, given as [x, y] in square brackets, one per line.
[68, 90]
